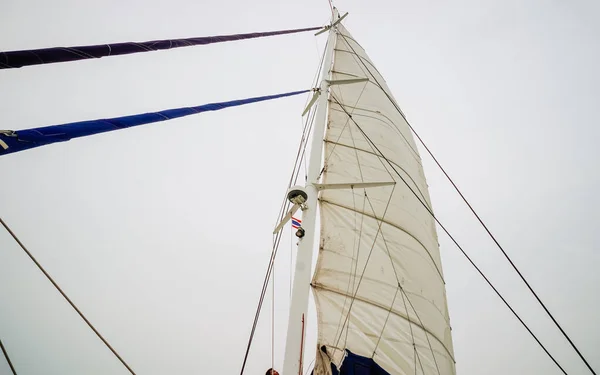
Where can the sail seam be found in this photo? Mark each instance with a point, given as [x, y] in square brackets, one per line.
[391, 124]
[347, 121]
[391, 161]
[399, 287]
[375, 281]
[360, 57]
[378, 85]
[392, 225]
[396, 313]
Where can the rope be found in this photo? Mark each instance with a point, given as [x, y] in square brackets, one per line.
[455, 242]
[7, 358]
[478, 218]
[65, 296]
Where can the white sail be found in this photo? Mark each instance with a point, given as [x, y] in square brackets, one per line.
[378, 283]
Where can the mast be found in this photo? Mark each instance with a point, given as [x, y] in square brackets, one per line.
[294, 346]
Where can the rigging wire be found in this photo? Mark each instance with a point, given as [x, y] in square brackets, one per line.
[452, 238]
[273, 319]
[291, 259]
[399, 285]
[355, 293]
[260, 300]
[477, 216]
[309, 120]
[12, 368]
[277, 237]
[14, 236]
[410, 324]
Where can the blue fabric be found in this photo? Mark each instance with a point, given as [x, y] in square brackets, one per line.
[355, 364]
[358, 365]
[18, 59]
[29, 138]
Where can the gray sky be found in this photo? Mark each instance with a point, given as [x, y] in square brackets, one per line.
[147, 229]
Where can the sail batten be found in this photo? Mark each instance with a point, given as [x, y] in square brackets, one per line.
[378, 284]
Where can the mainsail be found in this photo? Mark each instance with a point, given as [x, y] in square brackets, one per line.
[378, 284]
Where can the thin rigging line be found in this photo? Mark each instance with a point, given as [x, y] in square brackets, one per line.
[399, 286]
[479, 219]
[291, 259]
[311, 119]
[344, 128]
[352, 274]
[277, 237]
[273, 320]
[261, 298]
[65, 296]
[422, 325]
[462, 250]
[365, 266]
[304, 142]
[7, 358]
[387, 318]
[362, 179]
[392, 177]
[353, 268]
[412, 335]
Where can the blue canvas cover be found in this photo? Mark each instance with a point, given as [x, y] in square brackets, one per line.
[355, 364]
[18, 59]
[20, 140]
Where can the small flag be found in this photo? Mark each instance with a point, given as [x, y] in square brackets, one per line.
[296, 223]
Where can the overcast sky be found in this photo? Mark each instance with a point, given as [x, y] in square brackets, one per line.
[161, 234]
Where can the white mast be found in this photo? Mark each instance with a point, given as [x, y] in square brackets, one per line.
[294, 346]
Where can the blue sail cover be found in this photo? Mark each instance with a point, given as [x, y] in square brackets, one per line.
[20, 140]
[18, 59]
[355, 364]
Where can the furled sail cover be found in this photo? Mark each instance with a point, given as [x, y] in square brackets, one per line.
[378, 283]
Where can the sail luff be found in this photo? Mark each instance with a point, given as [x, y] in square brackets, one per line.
[378, 283]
